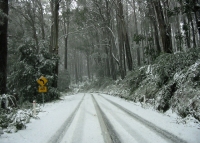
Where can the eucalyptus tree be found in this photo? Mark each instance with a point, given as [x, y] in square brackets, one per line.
[164, 27]
[53, 48]
[3, 44]
[123, 39]
[136, 30]
[66, 17]
[54, 27]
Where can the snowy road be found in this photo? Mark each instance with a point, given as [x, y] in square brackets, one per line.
[99, 118]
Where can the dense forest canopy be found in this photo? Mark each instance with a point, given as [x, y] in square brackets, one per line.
[70, 41]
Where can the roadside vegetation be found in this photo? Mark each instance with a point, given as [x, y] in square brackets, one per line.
[172, 81]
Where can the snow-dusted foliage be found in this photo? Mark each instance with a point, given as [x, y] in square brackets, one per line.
[172, 81]
[12, 119]
[7, 100]
[187, 96]
[29, 67]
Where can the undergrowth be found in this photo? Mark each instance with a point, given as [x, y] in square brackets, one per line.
[171, 81]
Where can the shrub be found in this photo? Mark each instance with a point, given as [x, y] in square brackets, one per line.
[169, 64]
[137, 77]
[29, 67]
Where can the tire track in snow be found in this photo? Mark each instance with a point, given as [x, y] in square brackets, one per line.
[133, 132]
[161, 132]
[56, 138]
[108, 132]
[79, 128]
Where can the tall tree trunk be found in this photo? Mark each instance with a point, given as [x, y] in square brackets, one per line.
[3, 47]
[75, 66]
[128, 52]
[66, 44]
[107, 61]
[136, 31]
[66, 53]
[56, 15]
[193, 30]
[178, 28]
[124, 34]
[197, 14]
[106, 50]
[36, 38]
[187, 33]
[33, 24]
[113, 68]
[164, 28]
[121, 49]
[52, 27]
[55, 37]
[88, 65]
[158, 48]
[197, 17]
[78, 66]
[152, 16]
[66, 27]
[111, 41]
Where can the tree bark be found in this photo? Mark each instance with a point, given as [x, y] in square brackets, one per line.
[88, 65]
[76, 66]
[121, 49]
[164, 28]
[107, 59]
[66, 35]
[193, 30]
[124, 34]
[136, 31]
[54, 36]
[3, 47]
[152, 17]
[52, 25]
[32, 15]
[187, 33]
[56, 20]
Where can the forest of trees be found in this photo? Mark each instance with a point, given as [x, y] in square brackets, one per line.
[74, 40]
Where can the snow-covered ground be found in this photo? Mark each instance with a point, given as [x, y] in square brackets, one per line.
[51, 118]
[190, 132]
[85, 127]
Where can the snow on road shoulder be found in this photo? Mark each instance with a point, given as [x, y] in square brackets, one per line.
[42, 129]
[189, 132]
